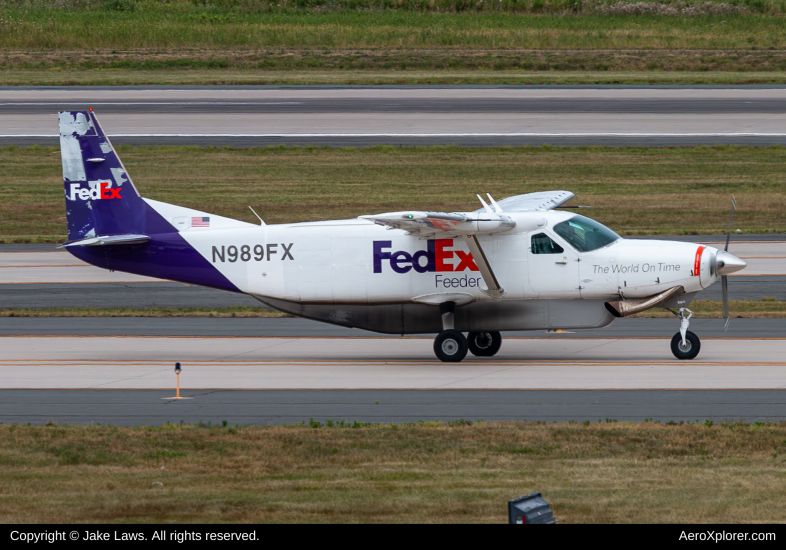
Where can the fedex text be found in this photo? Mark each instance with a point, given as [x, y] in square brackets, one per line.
[95, 190]
[438, 257]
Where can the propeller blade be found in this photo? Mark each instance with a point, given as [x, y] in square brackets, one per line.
[731, 221]
[725, 288]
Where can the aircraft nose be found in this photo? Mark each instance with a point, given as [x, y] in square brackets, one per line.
[726, 264]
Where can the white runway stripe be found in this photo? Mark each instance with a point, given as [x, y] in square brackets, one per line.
[447, 134]
[93, 103]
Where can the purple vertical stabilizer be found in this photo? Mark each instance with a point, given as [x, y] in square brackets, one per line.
[100, 197]
[101, 201]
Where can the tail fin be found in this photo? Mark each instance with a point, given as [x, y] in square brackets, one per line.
[100, 198]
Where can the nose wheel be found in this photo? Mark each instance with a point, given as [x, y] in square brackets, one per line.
[685, 344]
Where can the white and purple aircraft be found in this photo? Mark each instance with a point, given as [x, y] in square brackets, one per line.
[516, 264]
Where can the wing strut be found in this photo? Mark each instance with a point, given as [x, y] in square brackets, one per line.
[494, 288]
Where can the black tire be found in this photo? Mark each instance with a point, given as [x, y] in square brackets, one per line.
[450, 346]
[484, 344]
[691, 350]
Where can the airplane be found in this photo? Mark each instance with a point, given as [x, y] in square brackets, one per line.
[521, 263]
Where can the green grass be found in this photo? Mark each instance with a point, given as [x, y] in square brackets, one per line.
[250, 41]
[646, 191]
[767, 308]
[604, 472]
[350, 30]
[226, 77]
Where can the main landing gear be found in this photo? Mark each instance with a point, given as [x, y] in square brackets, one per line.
[685, 344]
[451, 346]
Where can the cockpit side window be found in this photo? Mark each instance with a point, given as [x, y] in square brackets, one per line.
[542, 244]
[585, 234]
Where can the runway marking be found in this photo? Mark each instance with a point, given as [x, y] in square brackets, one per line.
[431, 135]
[88, 282]
[761, 275]
[42, 265]
[166, 363]
[64, 103]
[373, 337]
[383, 389]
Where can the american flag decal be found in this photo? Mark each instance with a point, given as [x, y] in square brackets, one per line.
[200, 221]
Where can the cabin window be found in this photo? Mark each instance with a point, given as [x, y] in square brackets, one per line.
[542, 244]
[585, 234]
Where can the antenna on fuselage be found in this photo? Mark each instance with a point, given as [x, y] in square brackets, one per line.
[261, 222]
[486, 206]
[497, 208]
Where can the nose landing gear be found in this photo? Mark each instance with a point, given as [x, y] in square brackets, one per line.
[685, 344]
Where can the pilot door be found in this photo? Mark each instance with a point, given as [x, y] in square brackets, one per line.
[553, 268]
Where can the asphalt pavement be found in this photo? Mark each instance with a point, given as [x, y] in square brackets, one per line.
[416, 115]
[244, 407]
[297, 327]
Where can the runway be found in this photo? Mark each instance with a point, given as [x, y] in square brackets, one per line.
[228, 327]
[127, 381]
[244, 407]
[417, 115]
[384, 363]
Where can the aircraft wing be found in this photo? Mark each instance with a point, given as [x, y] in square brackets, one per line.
[534, 202]
[427, 224]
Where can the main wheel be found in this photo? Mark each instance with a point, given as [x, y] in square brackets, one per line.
[484, 344]
[689, 350]
[450, 346]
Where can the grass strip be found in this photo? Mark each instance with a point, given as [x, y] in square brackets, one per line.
[84, 42]
[468, 74]
[73, 31]
[604, 472]
[642, 191]
[768, 308]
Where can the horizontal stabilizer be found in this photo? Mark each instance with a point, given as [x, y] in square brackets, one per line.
[110, 240]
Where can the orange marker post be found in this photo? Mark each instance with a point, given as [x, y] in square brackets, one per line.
[177, 373]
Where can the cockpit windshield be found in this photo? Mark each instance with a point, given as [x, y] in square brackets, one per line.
[585, 234]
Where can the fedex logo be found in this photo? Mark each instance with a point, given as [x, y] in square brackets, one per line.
[96, 190]
[431, 260]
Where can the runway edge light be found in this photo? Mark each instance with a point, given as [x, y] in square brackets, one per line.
[177, 395]
[530, 509]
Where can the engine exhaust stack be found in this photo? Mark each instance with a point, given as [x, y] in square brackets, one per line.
[624, 308]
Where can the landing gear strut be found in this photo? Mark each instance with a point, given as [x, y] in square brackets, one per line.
[685, 344]
[450, 345]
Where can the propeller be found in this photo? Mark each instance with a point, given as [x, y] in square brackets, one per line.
[725, 278]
